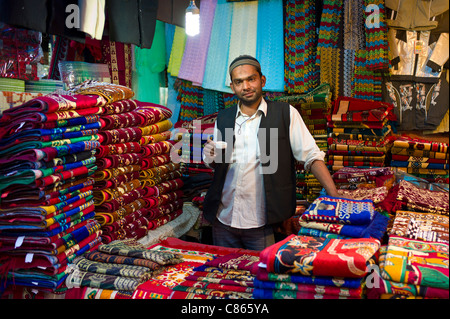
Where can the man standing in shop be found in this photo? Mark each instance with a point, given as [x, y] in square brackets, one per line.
[254, 181]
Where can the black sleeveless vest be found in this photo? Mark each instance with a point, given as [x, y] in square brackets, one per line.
[277, 161]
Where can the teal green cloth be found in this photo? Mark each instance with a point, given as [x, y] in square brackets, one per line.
[150, 63]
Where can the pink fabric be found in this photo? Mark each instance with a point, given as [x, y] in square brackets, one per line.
[196, 49]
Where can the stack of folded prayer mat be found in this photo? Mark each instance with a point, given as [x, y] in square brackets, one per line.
[47, 208]
[161, 175]
[204, 273]
[414, 262]
[333, 217]
[359, 133]
[134, 155]
[314, 107]
[121, 265]
[421, 158]
[411, 195]
[229, 276]
[411, 268]
[117, 189]
[161, 285]
[307, 267]
[352, 178]
[358, 183]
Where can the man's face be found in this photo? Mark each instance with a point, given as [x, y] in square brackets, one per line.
[247, 84]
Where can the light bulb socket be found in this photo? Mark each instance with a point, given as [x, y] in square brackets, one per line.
[192, 8]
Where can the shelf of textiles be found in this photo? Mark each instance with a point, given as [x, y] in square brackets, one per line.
[307, 186]
[425, 159]
[359, 133]
[314, 108]
[57, 152]
[198, 102]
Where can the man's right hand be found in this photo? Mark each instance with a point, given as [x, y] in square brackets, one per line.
[209, 154]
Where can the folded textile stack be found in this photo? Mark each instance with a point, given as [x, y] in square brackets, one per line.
[163, 285]
[314, 107]
[420, 226]
[133, 145]
[229, 276]
[160, 175]
[43, 86]
[412, 196]
[333, 217]
[425, 159]
[353, 178]
[47, 206]
[414, 263]
[410, 268]
[359, 133]
[306, 267]
[192, 152]
[121, 265]
[10, 99]
[12, 85]
[116, 189]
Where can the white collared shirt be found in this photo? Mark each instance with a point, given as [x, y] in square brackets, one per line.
[243, 200]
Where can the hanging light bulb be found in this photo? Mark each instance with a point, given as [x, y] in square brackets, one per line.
[192, 19]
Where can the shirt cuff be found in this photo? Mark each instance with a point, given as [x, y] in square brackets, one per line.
[316, 156]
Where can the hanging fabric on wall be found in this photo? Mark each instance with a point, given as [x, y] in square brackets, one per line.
[376, 37]
[216, 67]
[176, 55]
[243, 32]
[366, 83]
[92, 17]
[353, 29]
[191, 98]
[172, 94]
[132, 21]
[300, 42]
[151, 63]
[328, 52]
[118, 57]
[270, 44]
[196, 50]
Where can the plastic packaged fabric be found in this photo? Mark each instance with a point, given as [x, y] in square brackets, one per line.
[20, 52]
[76, 72]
